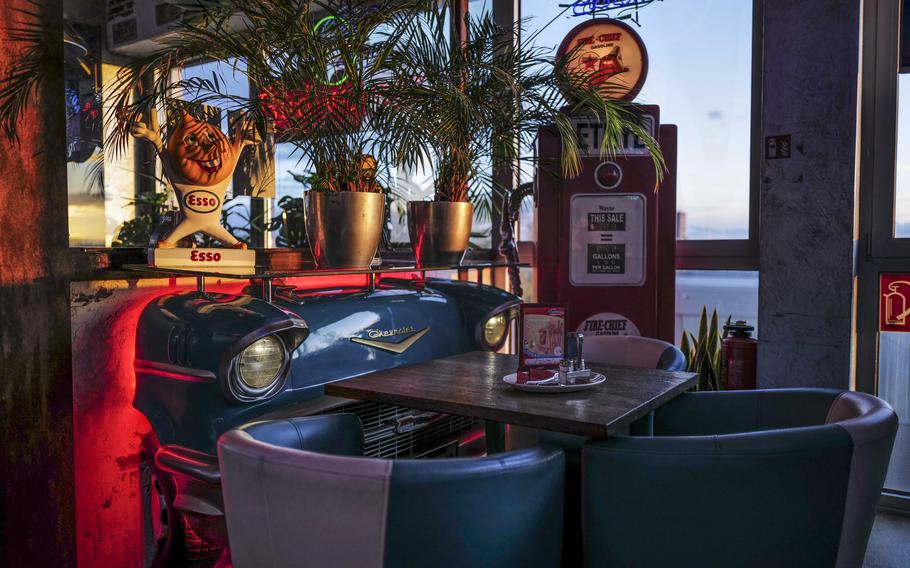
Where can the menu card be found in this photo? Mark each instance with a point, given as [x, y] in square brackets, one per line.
[542, 330]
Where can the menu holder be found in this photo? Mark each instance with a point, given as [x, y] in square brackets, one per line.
[542, 332]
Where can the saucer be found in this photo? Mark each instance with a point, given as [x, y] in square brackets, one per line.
[512, 380]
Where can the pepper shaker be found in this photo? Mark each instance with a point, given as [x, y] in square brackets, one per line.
[574, 342]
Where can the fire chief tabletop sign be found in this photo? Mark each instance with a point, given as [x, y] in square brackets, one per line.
[608, 54]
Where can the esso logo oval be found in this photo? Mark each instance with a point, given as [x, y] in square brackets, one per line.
[201, 201]
[204, 256]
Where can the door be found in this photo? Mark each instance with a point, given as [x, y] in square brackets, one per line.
[883, 252]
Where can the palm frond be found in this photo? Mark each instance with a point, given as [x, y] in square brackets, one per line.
[37, 59]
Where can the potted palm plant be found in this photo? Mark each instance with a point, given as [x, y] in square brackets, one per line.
[479, 97]
[317, 71]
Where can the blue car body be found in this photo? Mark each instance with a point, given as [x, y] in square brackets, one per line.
[185, 342]
[188, 344]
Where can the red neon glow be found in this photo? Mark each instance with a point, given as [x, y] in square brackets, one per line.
[108, 431]
[314, 107]
[472, 438]
[139, 368]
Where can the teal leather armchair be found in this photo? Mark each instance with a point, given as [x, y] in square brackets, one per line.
[288, 505]
[621, 350]
[786, 477]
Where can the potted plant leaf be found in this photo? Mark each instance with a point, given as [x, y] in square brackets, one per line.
[477, 98]
[317, 73]
[704, 352]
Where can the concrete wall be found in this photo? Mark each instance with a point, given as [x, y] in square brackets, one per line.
[109, 432]
[811, 64]
[36, 404]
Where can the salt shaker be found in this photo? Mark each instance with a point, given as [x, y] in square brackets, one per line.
[565, 372]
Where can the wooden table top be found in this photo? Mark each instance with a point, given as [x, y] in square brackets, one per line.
[470, 384]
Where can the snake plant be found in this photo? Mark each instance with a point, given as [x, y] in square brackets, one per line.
[704, 352]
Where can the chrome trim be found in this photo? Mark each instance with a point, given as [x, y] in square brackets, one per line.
[192, 464]
[243, 392]
[397, 347]
[478, 331]
[203, 375]
[297, 332]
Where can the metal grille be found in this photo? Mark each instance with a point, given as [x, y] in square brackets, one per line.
[383, 435]
[120, 8]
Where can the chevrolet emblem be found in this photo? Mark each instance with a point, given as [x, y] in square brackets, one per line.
[398, 347]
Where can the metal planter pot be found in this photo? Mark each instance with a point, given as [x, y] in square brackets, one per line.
[439, 231]
[344, 227]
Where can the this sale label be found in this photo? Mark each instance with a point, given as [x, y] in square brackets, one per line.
[600, 221]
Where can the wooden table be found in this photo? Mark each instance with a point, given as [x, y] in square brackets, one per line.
[470, 384]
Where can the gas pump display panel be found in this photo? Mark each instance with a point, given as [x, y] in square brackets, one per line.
[607, 242]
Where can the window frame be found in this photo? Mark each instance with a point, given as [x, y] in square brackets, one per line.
[879, 128]
[707, 254]
[878, 250]
[717, 254]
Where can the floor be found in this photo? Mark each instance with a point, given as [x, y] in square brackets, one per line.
[889, 545]
[899, 471]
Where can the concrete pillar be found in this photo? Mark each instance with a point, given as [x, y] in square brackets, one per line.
[811, 69]
[37, 516]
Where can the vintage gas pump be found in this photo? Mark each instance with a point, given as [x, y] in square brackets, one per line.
[607, 239]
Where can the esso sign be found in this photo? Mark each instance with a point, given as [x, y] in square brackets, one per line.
[201, 201]
[204, 256]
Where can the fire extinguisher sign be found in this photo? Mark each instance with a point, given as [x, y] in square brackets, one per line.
[894, 302]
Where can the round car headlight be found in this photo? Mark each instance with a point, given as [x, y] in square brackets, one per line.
[261, 363]
[495, 329]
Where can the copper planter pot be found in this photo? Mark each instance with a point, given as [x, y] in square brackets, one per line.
[439, 231]
[344, 227]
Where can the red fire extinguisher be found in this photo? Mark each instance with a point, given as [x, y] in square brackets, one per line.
[740, 351]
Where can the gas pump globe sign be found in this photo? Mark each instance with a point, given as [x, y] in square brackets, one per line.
[894, 298]
[607, 54]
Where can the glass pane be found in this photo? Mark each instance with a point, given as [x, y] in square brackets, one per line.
[292, 170]
[100, 186]
[231, 80]
[730, 292]
[700, 73]
[119, 198]
[902, 169]
[893, 386]
[480, 7]
[411, 184]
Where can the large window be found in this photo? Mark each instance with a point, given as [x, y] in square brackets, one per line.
[100, 188]
[884, 224]
[902, 165]
[233, 81]
[700, 74]
[732, 293]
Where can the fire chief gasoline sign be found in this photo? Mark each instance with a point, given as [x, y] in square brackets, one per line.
[607, 54]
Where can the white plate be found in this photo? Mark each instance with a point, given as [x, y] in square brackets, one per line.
[512, 380]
